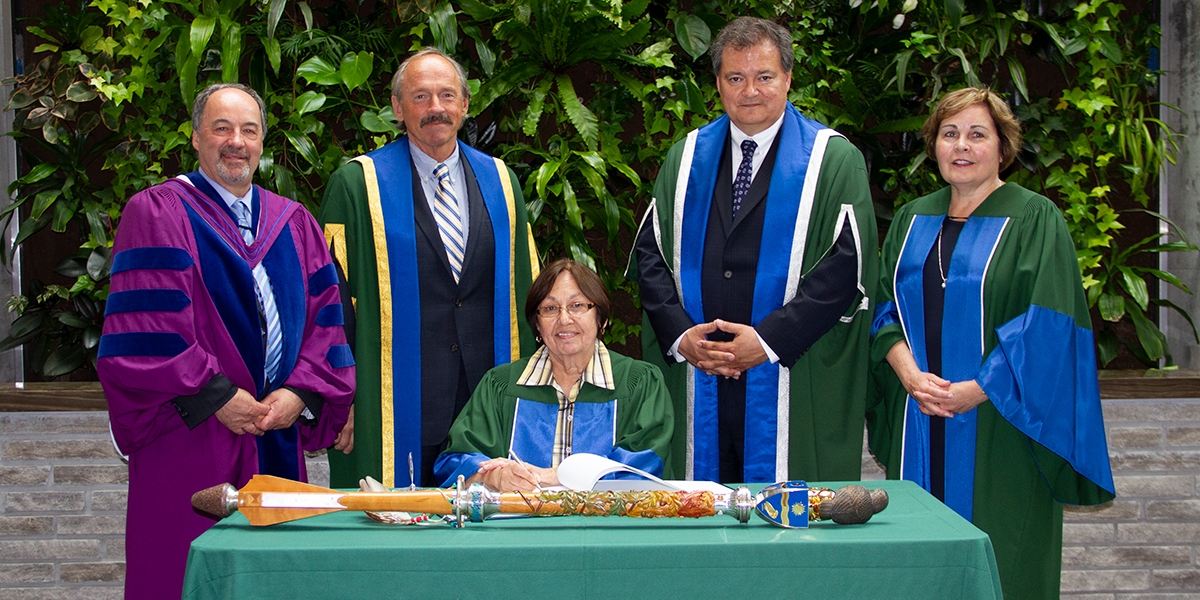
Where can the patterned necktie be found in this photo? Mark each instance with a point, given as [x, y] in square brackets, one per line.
[741, 184]
[268, 314]
[449, 221]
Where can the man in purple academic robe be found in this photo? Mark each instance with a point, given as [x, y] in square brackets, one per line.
[223, 352]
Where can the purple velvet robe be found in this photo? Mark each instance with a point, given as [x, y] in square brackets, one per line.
[181, 334]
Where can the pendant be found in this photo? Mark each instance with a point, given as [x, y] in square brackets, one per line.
[943, 285]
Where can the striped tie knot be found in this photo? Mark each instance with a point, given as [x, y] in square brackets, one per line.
[449, 220]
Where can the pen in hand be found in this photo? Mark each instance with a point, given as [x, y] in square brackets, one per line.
[537, 484]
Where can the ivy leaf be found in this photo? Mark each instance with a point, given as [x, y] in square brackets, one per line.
[954, 12]
[356, 68]
[693, 35]
[584, 120]
[316, 70]
[309, 101]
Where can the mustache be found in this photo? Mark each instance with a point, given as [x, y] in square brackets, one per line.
[229, 150]
[436, 118]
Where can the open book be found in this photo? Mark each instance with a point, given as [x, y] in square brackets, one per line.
[584, 472]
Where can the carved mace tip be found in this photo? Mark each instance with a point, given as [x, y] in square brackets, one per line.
[855, 504]
[219, 500]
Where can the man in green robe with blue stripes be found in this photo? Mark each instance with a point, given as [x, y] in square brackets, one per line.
[756, 262]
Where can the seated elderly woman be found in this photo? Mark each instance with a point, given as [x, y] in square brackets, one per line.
[573, 395]
[983, 338]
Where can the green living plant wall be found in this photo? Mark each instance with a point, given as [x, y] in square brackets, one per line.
[582, 98]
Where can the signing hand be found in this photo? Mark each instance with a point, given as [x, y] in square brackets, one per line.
[345, 437]
[504, 475]
[742, 353]
[285, 407]
[242, 413]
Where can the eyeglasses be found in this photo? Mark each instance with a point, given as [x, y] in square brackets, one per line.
[551, 311]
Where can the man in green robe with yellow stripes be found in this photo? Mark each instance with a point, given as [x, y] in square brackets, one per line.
[434, 243]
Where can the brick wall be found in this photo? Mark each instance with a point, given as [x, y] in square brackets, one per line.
[62, 508]
[1145, 545]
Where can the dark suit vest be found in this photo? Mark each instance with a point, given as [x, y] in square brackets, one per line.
[731, 245]
[456, 319]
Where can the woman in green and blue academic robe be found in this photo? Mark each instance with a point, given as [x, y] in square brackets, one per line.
[984, 353]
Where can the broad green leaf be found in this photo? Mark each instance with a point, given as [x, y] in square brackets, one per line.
[693, 35]
[374, 122]
[274, 12]
[38, 173]
[1107, 346]
[29, 227]
[309, 101]
[1112, 307]
[274, 54]
[285, 182]
[201, 31]
[1152, 341]
[91, 337]
[304, 146]
[1017, 71]
[584, 120]
[316, 70]
[544, 174]
[571, 203]
[98, 263]
[42, 202]
[64, 360]
[80, 92]
[899, 125]
[20, 99]
[231, 51]
[954, 12]
[487, 58]
[902, 69]
[690, 95]
[71, 266]
[537, 103]
[444, 28]
[356, 68]
[72, 320]
[1135, 286]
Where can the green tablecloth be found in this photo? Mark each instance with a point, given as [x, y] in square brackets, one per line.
[917, 548]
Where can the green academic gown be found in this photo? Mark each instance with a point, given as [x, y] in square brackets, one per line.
[367, 216]
[804, 420]
[631, 424]
[1016, 321]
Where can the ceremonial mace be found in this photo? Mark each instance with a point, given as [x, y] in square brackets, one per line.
[268, 500]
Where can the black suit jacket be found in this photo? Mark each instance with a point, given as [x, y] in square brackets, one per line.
[731, 252]
[456, 318]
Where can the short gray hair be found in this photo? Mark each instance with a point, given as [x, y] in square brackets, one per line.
[398, 78]
[202, 101]
[746, 32]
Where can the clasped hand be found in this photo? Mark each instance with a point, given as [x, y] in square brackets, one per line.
[727, 359]
[243, 414]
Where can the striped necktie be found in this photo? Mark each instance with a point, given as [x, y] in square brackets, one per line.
[449, 221]
[267, 312]
[741, 184]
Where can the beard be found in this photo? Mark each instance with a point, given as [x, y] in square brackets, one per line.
[235, 174]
